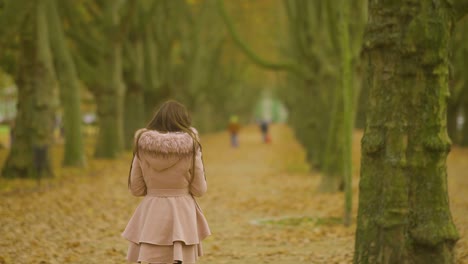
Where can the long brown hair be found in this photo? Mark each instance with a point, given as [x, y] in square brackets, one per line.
[172, 116]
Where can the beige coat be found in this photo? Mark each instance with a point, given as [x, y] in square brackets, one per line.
[162, 173]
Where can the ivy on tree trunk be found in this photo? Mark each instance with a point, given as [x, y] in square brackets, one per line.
[404, 214]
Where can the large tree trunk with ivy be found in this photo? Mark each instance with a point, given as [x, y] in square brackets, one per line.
[404, 214]
[69, 90]
[34, 122]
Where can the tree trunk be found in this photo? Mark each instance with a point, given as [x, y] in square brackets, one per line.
[348, 106]
[29, 154]
[310, 92]
[164, 44]
[404, 215]
[134, 97]
[332, 164]
[150, 83]
[69, 91]
[134, 112]
[110, 96]
[110, 103]
[335, 119]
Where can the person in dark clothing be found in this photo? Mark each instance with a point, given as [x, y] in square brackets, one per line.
[264, 128]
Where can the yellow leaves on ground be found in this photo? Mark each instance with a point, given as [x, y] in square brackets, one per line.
[261, 204]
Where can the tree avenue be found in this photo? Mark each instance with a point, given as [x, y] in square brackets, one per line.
[34, 77]
[129, 56]
[404, 214]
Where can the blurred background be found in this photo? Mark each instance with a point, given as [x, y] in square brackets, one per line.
[96, 68]
[75, 69]
[79, 77]
[71, 69]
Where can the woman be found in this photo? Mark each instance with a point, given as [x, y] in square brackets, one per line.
[167, 168]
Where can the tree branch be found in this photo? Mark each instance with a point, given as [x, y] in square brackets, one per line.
[290, 67]
[125, 22]
[11, 17]
[460, 8]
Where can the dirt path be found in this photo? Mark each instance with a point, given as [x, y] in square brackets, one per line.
[257, 182]
[252, 191]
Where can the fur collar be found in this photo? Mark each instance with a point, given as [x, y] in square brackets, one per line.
[171, 143]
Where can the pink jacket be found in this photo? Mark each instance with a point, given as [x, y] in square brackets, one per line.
[162, 172]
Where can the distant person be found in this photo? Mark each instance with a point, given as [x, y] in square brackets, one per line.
[233, 129]
[264, 128]
[167, 168]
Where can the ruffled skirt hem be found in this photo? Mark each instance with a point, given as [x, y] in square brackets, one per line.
[162, 254]
[162, 220]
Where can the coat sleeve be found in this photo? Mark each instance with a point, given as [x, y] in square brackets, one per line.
[137, 183]
[198, 185]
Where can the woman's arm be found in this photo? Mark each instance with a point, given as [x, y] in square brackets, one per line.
[198, 185]
[137, 183]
